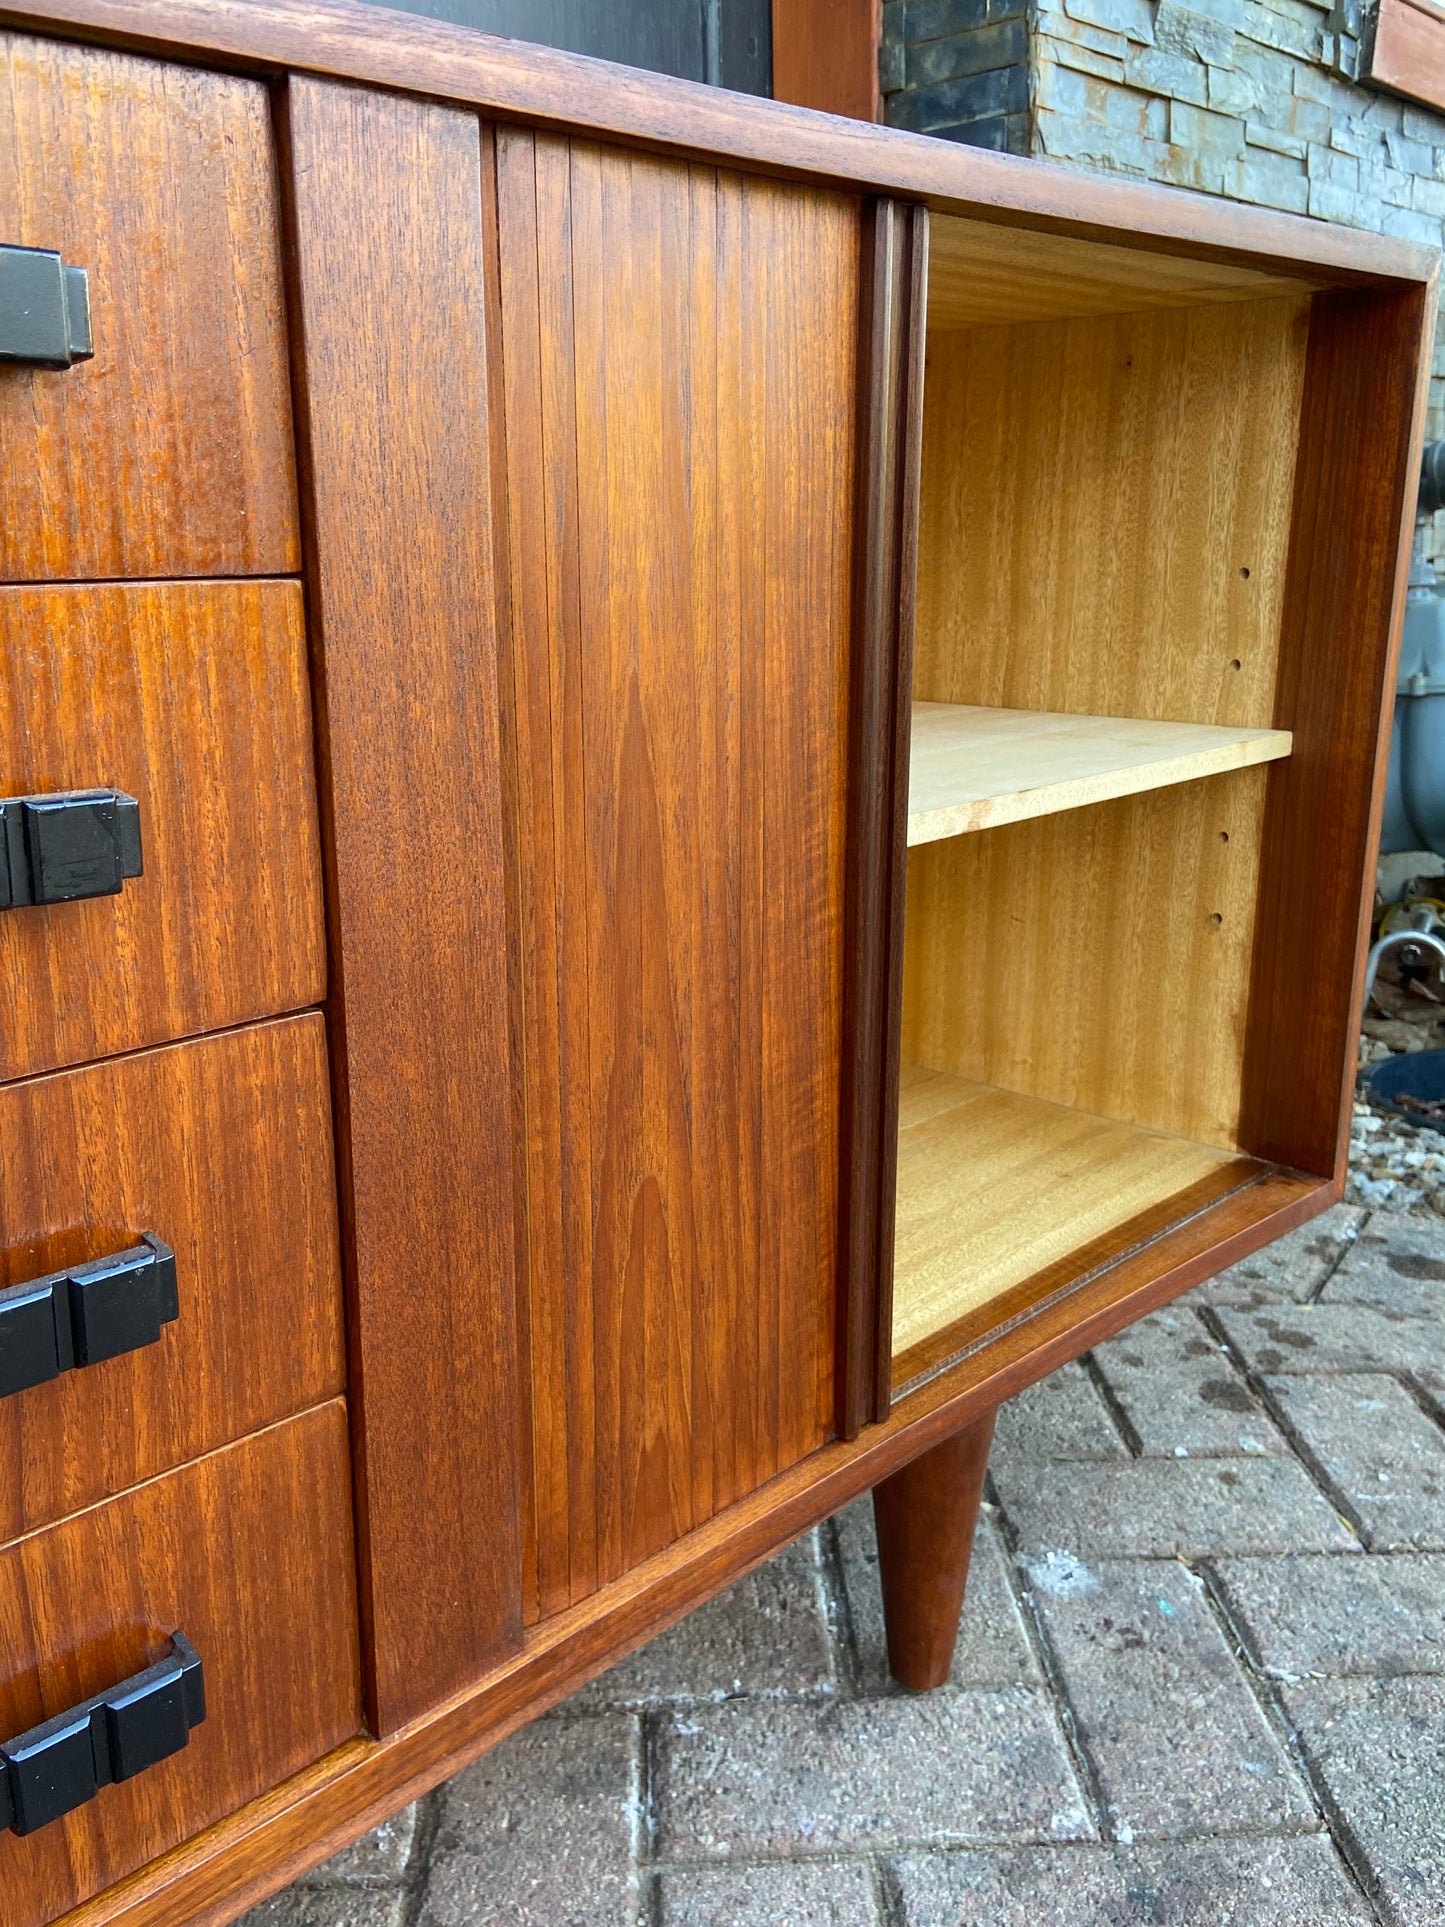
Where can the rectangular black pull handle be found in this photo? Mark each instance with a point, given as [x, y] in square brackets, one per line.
[58, 1766]
[89, 1313]
[62, 847]
[44, 309]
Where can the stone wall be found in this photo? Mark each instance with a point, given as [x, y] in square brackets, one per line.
[959, 69]
[1249, 99]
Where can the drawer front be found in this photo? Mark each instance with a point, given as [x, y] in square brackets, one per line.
[248, 1553]
[170, 452]
[221, 1148]
[193, 698]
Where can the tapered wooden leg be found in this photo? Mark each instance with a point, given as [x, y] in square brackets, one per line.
[926, 1515]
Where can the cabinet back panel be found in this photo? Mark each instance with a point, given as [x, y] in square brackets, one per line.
[1094, 492]
[1077, 958]
[1105, 520]
[679, 347]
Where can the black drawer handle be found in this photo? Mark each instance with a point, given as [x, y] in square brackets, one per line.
[57, 849]
[89, 1313]
[44, 309]
[57, 1767]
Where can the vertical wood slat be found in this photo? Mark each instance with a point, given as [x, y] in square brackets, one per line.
[679, 358]
[893, 287]
[1366, 371]
[825, 55]
[388, 248]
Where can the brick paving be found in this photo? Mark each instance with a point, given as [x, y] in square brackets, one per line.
[1201, 1675]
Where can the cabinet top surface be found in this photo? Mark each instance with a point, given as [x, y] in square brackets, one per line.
[515, 79]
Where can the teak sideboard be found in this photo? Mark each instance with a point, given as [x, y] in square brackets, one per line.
[684, 790]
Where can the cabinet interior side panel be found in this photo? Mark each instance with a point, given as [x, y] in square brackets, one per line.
[679, 351]
[1105, 517]
[1097, 958]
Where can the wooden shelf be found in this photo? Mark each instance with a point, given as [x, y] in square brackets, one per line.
[972, 768]
[995, 1189]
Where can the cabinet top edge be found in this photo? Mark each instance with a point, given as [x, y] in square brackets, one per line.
[516, 80]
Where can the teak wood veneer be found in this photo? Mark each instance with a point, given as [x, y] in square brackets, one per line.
[757, 744]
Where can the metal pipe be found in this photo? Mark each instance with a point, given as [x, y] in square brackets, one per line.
[1425, 938]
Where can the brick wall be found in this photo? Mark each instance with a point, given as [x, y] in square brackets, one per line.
[1249, 99]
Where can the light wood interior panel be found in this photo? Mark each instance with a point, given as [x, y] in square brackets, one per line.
[680, 394]
[982, 273]
[1105, 516]
[974, 769]
[974, 1163]
[1098, 958]
[1105, 513]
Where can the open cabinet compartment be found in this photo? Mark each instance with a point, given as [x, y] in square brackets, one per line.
[1107, 497]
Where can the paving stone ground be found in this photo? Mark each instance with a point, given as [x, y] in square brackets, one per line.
[1201, 1675]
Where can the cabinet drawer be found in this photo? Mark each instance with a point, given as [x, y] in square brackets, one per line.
[170, 452]
[248, 1553]
[222, 1148]
[193, 698]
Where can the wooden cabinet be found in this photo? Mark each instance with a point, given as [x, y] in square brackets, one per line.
[802, 826]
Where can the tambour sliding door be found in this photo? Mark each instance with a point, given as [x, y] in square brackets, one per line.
[679, 346]
[581, 435]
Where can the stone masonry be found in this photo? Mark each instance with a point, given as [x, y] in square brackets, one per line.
[1253, 100]
[1201, 1676]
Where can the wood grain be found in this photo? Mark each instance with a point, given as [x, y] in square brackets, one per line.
[222, 1147]
[1363, 417]
[1106, 513]
[1407, 53]
[983, 275]
[994, 1187]
[679, 347]
[169, 454]
[193, 698]
[1099, 958]
[972, 768]
[523, 82]
[825, 55]
[247, 1552]
[926, 1515]
[1105, 525]
[892, 287]
[1113, 1251]
[389, 250]
[304, 1822]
